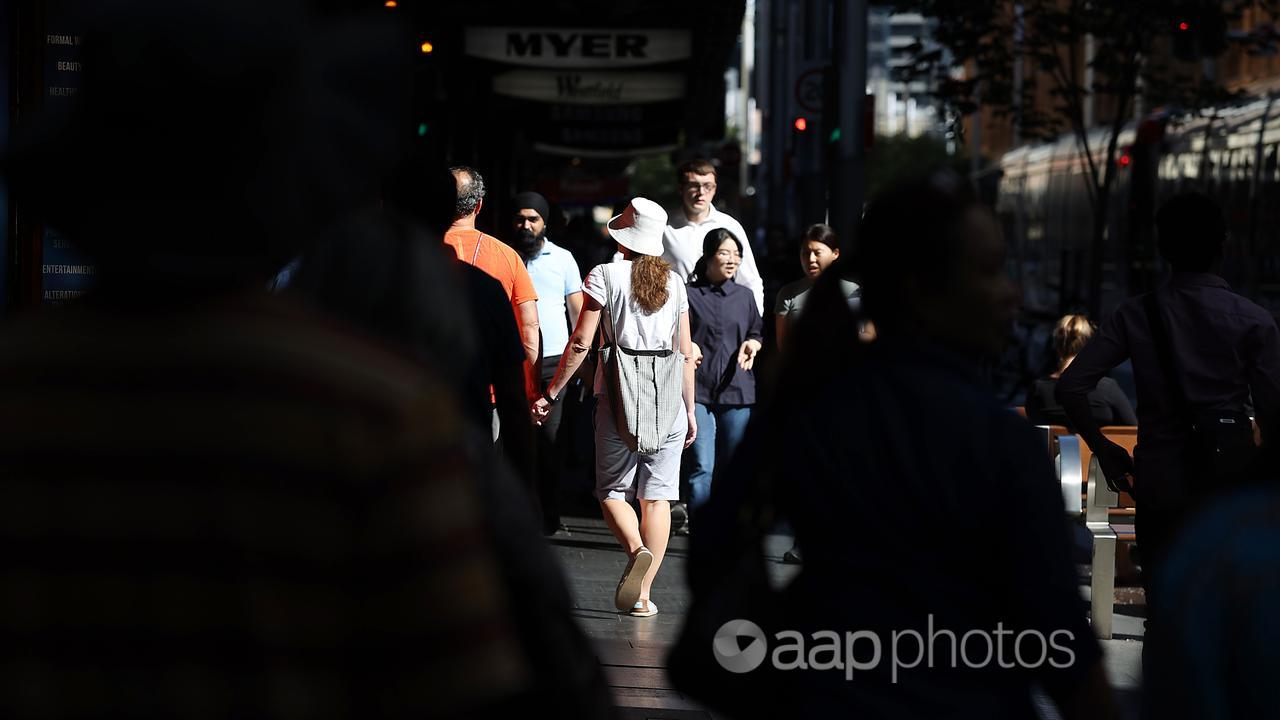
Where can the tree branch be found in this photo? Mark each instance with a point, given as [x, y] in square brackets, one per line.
[1075, 116]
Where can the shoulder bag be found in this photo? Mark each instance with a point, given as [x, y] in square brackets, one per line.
[645, 386]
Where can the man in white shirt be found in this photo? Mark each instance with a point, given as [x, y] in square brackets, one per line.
[682, 240]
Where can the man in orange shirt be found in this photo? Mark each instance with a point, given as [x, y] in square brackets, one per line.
[493, 256]
[498, 260]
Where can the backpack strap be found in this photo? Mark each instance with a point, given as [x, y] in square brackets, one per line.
[675, 331]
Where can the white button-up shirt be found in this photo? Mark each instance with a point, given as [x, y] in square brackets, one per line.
[682, 241]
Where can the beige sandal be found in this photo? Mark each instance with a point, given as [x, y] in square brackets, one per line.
[644, 608]
[629, 586]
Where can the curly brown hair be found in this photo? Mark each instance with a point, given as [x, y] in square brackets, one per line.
[649, 282]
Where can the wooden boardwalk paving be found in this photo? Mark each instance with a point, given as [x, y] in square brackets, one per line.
[633, 650]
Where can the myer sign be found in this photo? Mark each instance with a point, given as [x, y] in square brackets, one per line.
[589, 88]
[578, 47]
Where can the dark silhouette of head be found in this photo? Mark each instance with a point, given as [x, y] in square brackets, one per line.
[1192, 232]
[931, 262]
[424, 190]
[386, 273]
[212, 139]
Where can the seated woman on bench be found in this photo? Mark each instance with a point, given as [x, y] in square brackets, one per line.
[1108, 402]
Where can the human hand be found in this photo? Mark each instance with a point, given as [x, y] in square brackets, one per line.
[692, 433]
[1117, 467]
[540, 410]
[696, 355]
[747, 354]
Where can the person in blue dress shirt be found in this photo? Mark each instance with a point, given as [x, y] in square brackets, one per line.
[559, 286]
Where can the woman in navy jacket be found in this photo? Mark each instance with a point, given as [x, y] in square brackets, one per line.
[726, 325]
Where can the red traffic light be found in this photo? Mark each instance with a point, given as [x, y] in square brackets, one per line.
[1184, 25]
[801, 124]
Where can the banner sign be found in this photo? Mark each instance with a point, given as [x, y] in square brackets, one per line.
[584, 190]
[6, 58]
[590, 88]
[647, 115]
[607, 127]
[66, 272]
[61, 67]
[578, 47]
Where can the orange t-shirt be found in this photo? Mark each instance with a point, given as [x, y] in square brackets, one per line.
[495, 258]
[505, 265]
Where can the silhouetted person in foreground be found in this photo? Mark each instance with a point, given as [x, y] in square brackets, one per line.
[1223, 347]
[218, 502]
[386, 274]
[884, 473]
[1218, 652]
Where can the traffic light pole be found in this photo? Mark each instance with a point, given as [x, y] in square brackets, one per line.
[848, 161]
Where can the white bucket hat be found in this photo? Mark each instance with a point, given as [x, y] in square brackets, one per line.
[639, 228]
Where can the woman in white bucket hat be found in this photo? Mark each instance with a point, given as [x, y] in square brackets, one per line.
[645, 400]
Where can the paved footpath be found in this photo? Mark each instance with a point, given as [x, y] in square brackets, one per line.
[633, 650]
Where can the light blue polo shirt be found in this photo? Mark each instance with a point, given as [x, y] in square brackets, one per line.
[555, 276]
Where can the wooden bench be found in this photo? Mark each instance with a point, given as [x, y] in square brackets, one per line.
[1101, 504]
[1108, 517]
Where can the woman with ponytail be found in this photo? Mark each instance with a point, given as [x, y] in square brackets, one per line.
[1108, 403]
[645, 393]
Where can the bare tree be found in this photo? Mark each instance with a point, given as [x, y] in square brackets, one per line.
[1094, 55]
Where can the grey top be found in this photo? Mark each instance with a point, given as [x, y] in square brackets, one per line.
[791, 298]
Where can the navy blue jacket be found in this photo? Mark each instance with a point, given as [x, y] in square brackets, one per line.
[721, 318]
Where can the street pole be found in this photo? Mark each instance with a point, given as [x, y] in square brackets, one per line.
[747, 60]
[778, 71]
[848, 161]
[1089, 53]
[1018, 61]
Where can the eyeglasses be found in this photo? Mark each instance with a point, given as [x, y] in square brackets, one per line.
[728, 254]
[704, 187]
